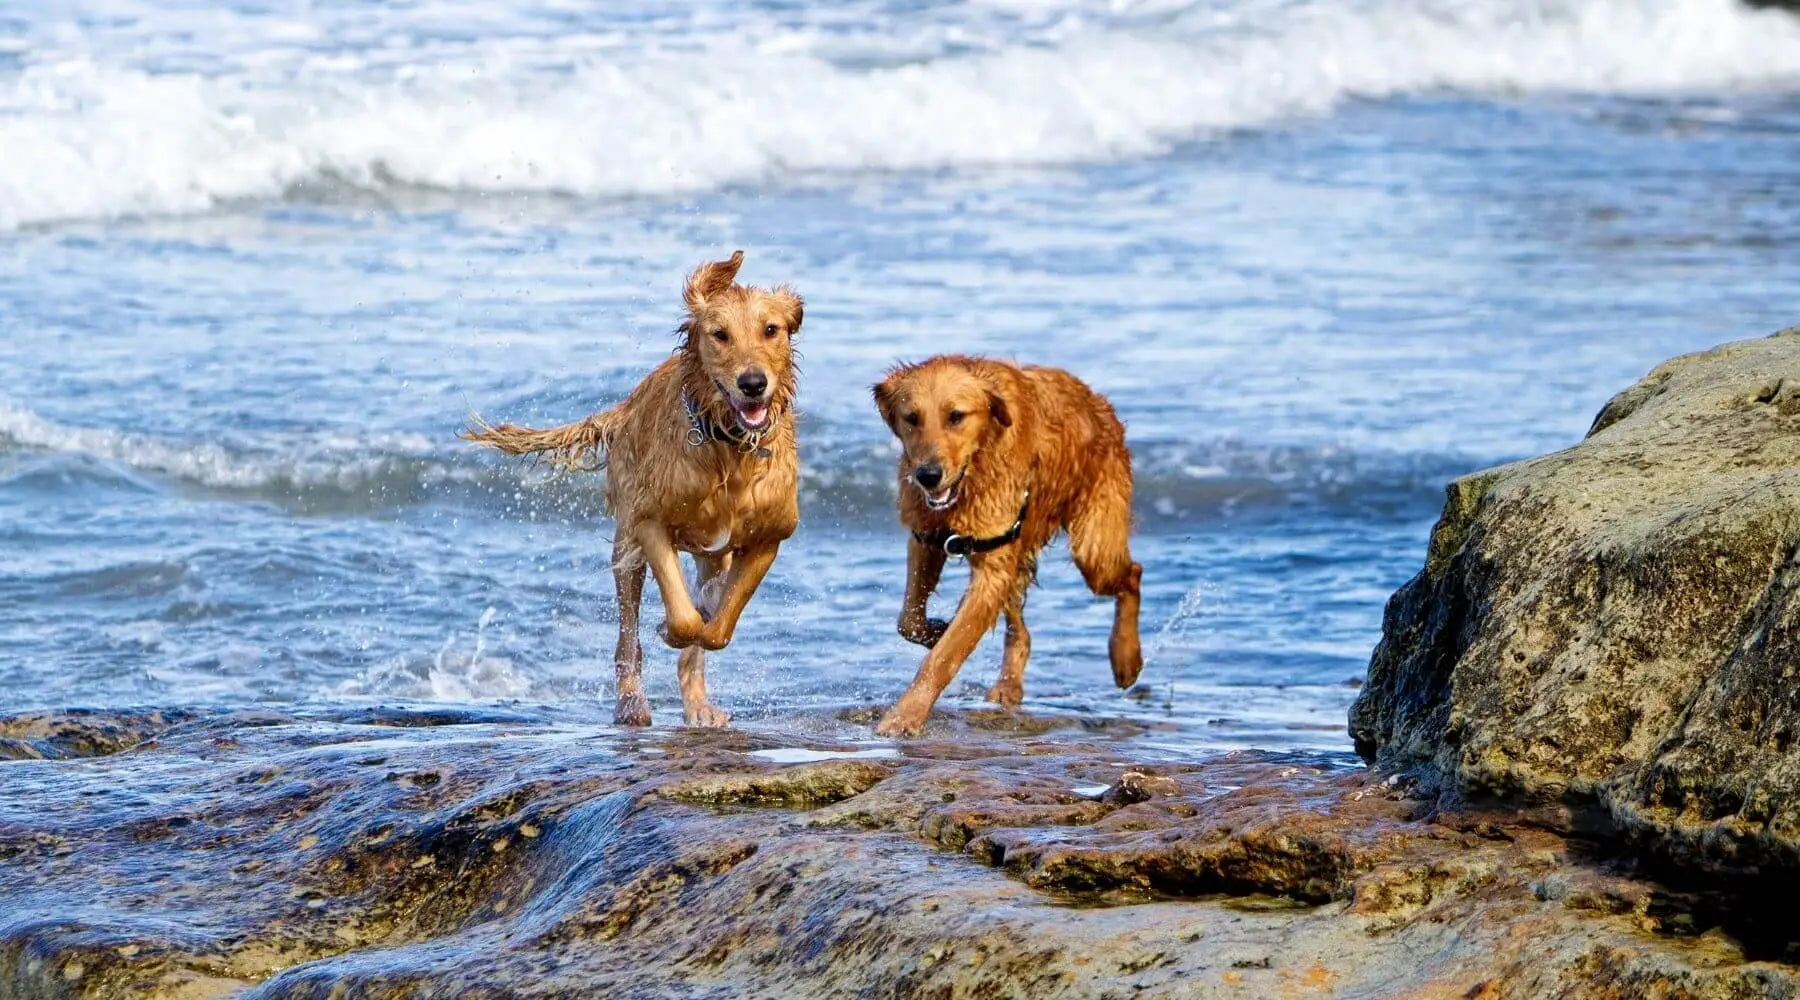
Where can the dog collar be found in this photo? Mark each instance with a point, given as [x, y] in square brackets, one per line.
[703, 428]
[963, 546]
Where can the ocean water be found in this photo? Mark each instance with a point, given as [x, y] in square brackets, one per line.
[260, 260]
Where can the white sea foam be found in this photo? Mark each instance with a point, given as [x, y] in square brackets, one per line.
[89, 134]
[331, 462]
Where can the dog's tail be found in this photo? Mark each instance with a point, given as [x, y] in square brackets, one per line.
[580, 445]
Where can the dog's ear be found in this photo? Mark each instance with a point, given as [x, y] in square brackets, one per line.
[884, 401]
[997, 409]
[709, 280]
[792, 306]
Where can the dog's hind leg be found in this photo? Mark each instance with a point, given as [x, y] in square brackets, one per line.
[1100, 541]
[633, 709]
[709, 583]
[1009, 690]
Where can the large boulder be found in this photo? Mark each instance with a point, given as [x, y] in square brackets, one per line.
[1613, 631]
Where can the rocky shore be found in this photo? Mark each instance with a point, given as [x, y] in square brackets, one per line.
[484, 854]
[1582, 784]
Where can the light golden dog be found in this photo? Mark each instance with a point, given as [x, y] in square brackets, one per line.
[995, 460]
[700, 459]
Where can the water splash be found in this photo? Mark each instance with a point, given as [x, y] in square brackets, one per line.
[1174, 634]
[449, 674]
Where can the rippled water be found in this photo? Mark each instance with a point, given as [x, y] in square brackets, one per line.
[256, 266]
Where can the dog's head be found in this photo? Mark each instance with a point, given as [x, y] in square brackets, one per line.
[943, 411]
[742, 338]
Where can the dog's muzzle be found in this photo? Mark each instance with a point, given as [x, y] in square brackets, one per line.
[929, 478]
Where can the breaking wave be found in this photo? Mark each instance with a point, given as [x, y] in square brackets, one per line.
[90, 134]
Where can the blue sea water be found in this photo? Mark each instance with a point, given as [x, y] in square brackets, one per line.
[259, 261]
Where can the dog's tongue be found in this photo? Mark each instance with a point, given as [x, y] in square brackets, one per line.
[751, 415]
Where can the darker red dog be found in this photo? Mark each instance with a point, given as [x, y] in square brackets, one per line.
[996, 460]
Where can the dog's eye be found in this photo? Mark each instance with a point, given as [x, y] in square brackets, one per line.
[771, 330]
[955, 417]
[721, 336]
[911, 418]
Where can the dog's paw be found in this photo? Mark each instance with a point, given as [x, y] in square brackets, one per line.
[712, 638]
[1006, 694]
[708, 716]
[632, 710]
[680, 634]
[898, 723]
[1127, 660]
[926, 633]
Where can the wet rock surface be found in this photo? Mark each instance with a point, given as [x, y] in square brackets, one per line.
[1611, 633]
[472, 854]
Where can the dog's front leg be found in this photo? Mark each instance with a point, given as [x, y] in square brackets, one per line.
[990, 581]
[924, 567]
[681, 620]
[691, 669]
[748, 566]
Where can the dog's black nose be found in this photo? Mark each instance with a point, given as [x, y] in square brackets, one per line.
[752, 384]
[929, 476]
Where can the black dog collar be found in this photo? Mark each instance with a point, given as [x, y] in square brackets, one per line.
[968, 545]
[703, 428]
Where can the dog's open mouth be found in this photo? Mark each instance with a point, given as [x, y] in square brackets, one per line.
[943, 498]
[752, 415]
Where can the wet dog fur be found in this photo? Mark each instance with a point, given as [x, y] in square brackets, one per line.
[976, 435]
[728, 504]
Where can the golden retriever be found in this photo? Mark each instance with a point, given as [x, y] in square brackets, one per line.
[700, 459]
[995, 460]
